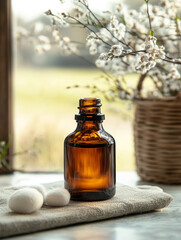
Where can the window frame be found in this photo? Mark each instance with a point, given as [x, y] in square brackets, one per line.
[6, 109]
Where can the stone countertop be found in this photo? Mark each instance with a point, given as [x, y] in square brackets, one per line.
[165, 224]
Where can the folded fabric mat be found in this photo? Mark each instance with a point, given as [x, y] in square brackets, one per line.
[128, 200]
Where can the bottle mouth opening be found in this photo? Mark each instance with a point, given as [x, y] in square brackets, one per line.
[89, 110]
[89, 99]
[89, 103]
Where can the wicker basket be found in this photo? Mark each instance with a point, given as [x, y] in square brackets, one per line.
[157, 138]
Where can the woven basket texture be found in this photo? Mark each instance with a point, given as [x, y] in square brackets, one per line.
[157, 140]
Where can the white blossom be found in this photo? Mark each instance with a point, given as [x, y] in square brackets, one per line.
[44, 39]
[60, 21]
[104, 56]
[116, 50]
[93, 49]
[56, 35]
[79, 14]
[41, 48]
[126, 40]
[113, 23]
[22, 32]
[101, 63]
[118, 29]
[174, 74]
[151, 52]
[105, 35]
[122, 94]
[67, 47]
[38, 27]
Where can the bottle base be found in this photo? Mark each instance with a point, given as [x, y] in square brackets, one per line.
[92, 195]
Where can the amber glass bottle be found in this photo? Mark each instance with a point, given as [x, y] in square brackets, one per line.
[89, 155]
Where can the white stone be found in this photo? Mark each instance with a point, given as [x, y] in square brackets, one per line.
[57, 197]
[25, 200]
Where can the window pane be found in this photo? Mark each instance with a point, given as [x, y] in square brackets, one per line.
[43, 108]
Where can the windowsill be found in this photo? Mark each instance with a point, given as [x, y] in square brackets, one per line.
[130, 227]
[17, 178]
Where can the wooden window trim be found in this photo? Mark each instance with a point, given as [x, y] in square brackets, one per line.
[6, 112]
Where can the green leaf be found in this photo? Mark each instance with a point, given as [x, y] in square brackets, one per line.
[6, 164]
[4, 147]
[151, 33]
[124, 21]
[177, 17]
[147, 1]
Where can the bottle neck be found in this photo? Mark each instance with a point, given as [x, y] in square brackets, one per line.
[89, 110]
[89, 125]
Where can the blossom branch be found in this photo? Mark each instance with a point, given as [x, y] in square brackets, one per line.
[140, 82]
[100, 23]
[117, 43]
[149, 18]
[172, 60]
[156, 84]
[84, 25]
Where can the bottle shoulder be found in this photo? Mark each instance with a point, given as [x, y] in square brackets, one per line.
[90, 137]
[108, 136]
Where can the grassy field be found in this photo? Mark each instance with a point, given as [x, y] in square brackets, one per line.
[44, 114]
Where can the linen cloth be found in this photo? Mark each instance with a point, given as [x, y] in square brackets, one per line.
[128, 200]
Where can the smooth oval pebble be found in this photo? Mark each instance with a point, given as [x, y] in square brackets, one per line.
[57, 197]
[25, 200]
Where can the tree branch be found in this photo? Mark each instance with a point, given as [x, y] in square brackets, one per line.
[147, 2]
[96, 18]
[172, 60]
[140, 82]
[86, 26]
